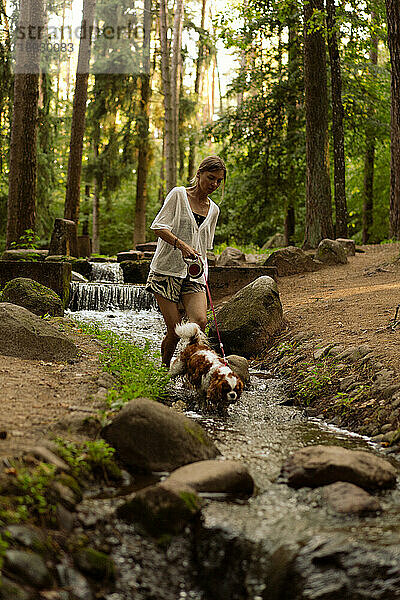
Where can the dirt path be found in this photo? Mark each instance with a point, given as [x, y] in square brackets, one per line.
[349, 304]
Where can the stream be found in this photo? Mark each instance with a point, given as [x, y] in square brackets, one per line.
[282, 543]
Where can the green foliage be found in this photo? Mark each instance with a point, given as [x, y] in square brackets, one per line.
[28, 240]
[345, 400]
[92, 458]
[316, 378]
[134, 367]
[33, 499]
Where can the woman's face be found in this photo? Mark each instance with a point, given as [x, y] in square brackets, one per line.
[209, 181]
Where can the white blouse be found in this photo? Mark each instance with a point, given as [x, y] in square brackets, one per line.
[177, 216]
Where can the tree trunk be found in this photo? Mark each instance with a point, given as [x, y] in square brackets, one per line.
[139, 233]
[72, 196]
[393, 21]
[199, 70]
[21, 209]
[337, 124]
[369, 159]
[176, 77]
[170, 168]
[318, 190]
[96, 202]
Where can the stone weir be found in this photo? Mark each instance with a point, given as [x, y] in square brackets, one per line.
[105, 296]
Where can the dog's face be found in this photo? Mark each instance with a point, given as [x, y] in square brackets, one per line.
[225, 388]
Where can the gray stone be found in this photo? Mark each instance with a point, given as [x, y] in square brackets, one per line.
[250, 318]
[9, 590]
[28, 568]
[95, 563]
[33, 296]
[275, 241]
[161, 510]
[56, 276]
[240, 366]
[348, 245]
[24, 254]
[135, 272]
[25, 335]
[76, 583]
[44, 454]
[291, 260]
[314, 466]
[78, 277]
[150, 436]
[230, 257]
[26, 535]
[64, 239]
[354, 353]
[218, 476]
[331, 252]
[347, 498]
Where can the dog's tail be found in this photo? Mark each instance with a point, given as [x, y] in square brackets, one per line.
[190, 333]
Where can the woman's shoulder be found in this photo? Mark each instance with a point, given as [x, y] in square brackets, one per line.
[214, 207]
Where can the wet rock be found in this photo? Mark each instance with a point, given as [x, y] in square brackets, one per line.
[44, 454]
[135, 272]
[240, 366]
[75, 582]
[350, 499]
[65, 495]
[33, 296]
[28, 568]
[25, 335]
[65, 519]
[348, 245]
[334, 569]
[321, 465]
[230, 257]
[9, 590]
[28, 536]
[150, 436]
[95, 563]
[219, 476]
[331, 252]
[161, 510]
[78, 277]
[291, 260]
[250, 318]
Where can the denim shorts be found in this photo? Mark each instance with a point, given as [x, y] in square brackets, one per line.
[172, 288]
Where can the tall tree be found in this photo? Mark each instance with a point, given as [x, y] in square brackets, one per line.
[139, 235]
[337, 123]
[318, 189]
[170, 168]
[369, 157]
[393, 23]
[21, 210]
[72, 196]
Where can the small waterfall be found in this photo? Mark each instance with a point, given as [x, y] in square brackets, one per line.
[105, 296]
[110, 272]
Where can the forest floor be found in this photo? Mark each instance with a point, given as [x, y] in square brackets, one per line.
[349, 304]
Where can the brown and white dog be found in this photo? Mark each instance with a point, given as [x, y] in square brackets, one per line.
[205, 370]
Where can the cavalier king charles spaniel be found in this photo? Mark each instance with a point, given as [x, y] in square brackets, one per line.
[205, 370]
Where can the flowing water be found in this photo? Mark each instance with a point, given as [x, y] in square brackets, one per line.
[282, 543]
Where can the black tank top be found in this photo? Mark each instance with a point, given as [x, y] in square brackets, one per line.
[198, 218]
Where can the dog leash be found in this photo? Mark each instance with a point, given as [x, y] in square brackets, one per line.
[215, 321]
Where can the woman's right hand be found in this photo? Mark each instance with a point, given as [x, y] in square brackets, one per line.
[187, 251]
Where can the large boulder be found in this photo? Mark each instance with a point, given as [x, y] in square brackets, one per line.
[135, 271]
[240, 365]
[291, 260]
[34, 296]
[149, 436]
[348, 245]
[231, 257]
[250, 318]
[331, 252]
[26, 335]
[214, 476]
[275, 241]
[348, 498]
[321, 465]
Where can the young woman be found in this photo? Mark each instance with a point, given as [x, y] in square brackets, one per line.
[185, 228]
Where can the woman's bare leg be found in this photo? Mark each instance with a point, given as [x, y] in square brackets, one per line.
[169, 311]
[196, 308]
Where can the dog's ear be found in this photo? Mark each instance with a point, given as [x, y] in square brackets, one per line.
[213, 391]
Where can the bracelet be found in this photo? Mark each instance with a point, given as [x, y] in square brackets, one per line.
[175, 241]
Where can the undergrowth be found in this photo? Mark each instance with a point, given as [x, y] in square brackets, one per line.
[135, 368]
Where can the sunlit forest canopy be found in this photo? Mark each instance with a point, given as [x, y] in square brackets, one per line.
[294, 96]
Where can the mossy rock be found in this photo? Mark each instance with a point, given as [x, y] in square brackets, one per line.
[33, 296]
[95, 563]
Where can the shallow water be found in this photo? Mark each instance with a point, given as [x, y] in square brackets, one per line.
[261, 432]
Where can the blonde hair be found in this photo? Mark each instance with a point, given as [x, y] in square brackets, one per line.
[210, 163]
